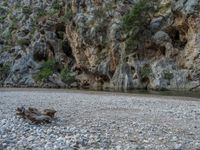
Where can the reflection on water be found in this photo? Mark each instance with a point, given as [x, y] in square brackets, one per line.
[174, 93]
[195, 94]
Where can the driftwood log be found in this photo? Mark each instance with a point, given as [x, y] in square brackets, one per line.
[36, 116]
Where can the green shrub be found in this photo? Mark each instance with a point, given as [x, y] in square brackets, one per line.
[43, 74]
[146, 71]
[23, 42]
[42, 13]
[47, 69]
[13, 25]
[168, 75]
[56, 5]
[68, 16]
[132, 19]
[7, 35]
[136, 21]
[4, 13]
[5, 3]
[4, 71]
[100, 13]
[6, 48]
[27, 10]
[66, 76]
[2, 19]
[17, 5]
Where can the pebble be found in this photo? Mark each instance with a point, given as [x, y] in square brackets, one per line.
[146, 141]
[178, 147]
[197, 145]
[160, 138]
[135, 147]
[30, 138]
[95, 131]
[174, 139]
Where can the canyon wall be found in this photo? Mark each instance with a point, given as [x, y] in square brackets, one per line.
[84, 43]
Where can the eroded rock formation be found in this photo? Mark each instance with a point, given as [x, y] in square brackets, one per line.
[85, 37]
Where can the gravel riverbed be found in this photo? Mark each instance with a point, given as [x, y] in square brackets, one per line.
[96, 120]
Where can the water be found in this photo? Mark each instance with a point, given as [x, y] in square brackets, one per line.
[195, 94]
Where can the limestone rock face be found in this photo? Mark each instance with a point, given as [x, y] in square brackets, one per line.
[87, 38]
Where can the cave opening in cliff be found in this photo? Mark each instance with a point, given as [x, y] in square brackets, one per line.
[178, 38]
[68, 52]
[146, 82]
[67, 49]
[153, 49]
[60, 30]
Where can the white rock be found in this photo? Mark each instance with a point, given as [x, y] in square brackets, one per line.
[178, 147]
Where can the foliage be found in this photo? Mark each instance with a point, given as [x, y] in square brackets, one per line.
[2, 19]
[4, 71]
[100, 13]
[68, 16]
[17, 5]
[3, 10]
[23, 42]
[7, 35]
[56, 5]
[133, 18]
[27, 10]
[146, 71]
[5, 3]
[13, 25]
[67, 76]
[6, 48]
[42, 13]
[3, 13]
[47, 69]
[168, 75]
[136, 21]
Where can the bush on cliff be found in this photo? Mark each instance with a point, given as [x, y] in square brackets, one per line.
[47, 69]
[4, 71]
[146, 71]
[136, 22]
[66, 76]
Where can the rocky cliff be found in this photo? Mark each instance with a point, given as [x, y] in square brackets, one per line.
[120, 44]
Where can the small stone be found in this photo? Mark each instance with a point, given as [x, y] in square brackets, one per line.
[49, 131]
[4, 144]
[174, 139]
[197, 146]
[135, 147]
[178, 147]
[2, 131]
[3, 121]
[30, 138]
[34, 146]
[160, 139]
[146, 141]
